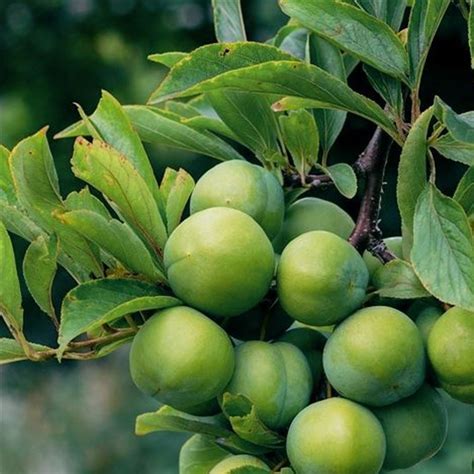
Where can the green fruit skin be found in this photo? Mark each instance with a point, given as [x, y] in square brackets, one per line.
[336, 436]
[451, 353]
[308, 214]
[238, 461]
[207, 408]
[375, 357]
[219, 261]
[426, 319]
[394, 244]
[243, 186]
[321, 279]
[258, 323]
[415, 428]
[275, 377]
[311, 343]
[181, 357]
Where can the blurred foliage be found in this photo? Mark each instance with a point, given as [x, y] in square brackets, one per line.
[79, 417]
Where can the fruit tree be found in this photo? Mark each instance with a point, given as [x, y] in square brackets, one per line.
[283, 334]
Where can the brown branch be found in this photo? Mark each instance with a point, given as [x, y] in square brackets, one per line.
[371, 166]
[310, 180]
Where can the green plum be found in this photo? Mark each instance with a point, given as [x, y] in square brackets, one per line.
[375, 357]
[276, 378]
[311, 343]
[261, 322]
[415, 428]
[451, 353]
[243, 186]
[181, 357]
[227, 465]
[425, 318]
[336, 436]
[321, 278]
[207, 408]
[394, 244]
[199, 454]
[310, 214]
[219, 261]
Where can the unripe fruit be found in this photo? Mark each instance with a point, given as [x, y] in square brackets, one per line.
[239, 461]
[275, 377]
[451, 353]
[243, 186]
[394, 244]
[311, 343]
[336, 436]
[415, 428]
[208, 408]
[321, 278]
[308, 214]
[181, 357]
[375, 357]
[219, 261]
[426, 319]
[260, 322]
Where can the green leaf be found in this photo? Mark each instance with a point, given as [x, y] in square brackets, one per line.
[352, 30]
[460, 126]
[167, 59]
[228, 20]
[39, 270]
[10, 294]
[397, 279]
[425, 18]
[115, 128]
[37, 190]
[299, 80]
[330, 122]
[154, 126]
[210, 61]
[389, 11]
[344, 178]
[7, 188]
[245, 422]
[292, 39]
[455, 150]
[387, 87]
[443, 249]
[412, 175]
[94, 303]
[199, 455]
[182, 109]
[117, 239]
[107, 349]
[85, 201]
[301, 137]
[11, 351]
[169, 419]
[471, 32]
[213, 125]
[250, 118]
[177, 197]
[111, 173]
[464, 194]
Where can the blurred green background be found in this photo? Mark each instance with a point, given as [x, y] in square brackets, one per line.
[78, 418]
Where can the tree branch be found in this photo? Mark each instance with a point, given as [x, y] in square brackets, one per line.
[371, 166]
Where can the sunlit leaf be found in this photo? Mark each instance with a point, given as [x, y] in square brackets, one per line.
[11, 350]
[199, 454]
[412, 175]
[94, 303]
[352, 30]
[443, 249]
[39, 270]
[228, 20]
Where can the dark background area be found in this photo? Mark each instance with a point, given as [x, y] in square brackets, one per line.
[78, 418]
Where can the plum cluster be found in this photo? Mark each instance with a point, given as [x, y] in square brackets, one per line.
[350, 385]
